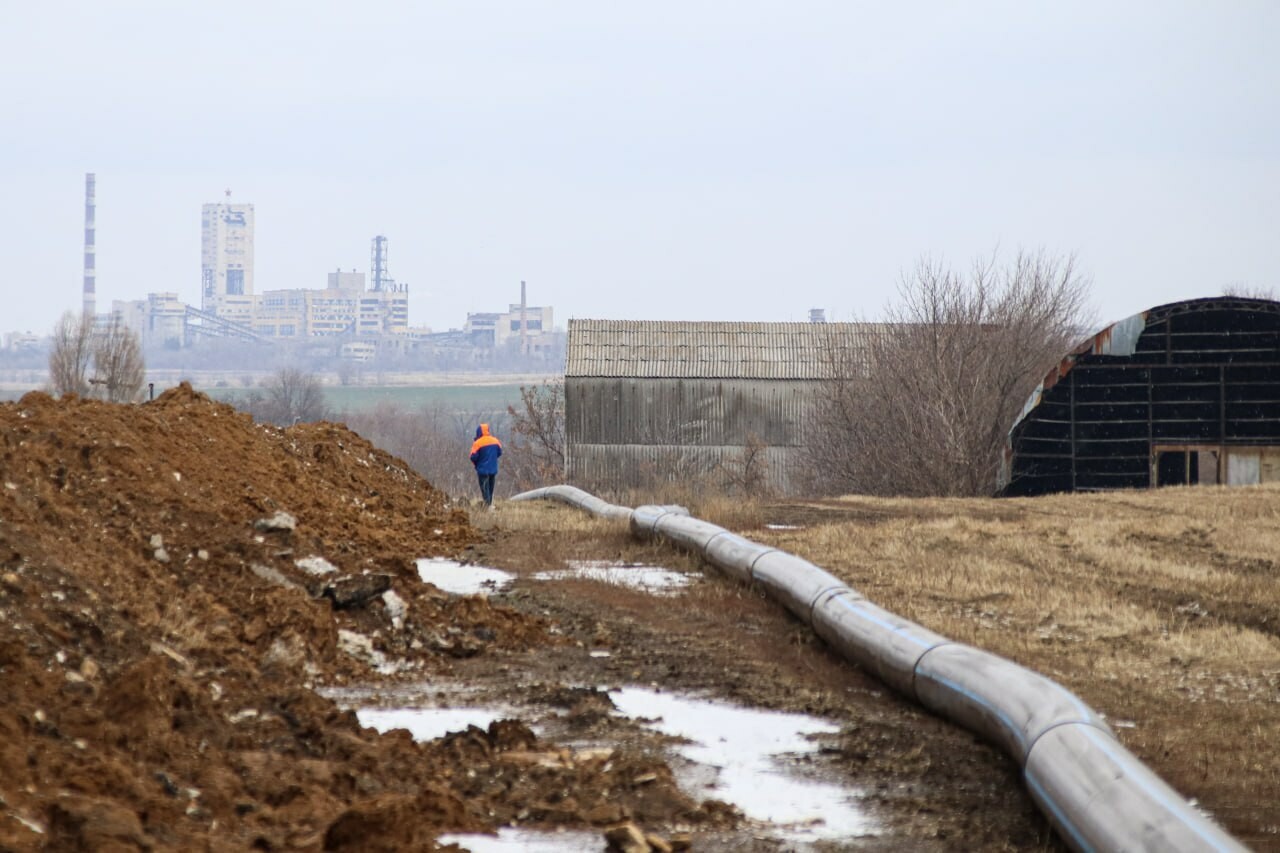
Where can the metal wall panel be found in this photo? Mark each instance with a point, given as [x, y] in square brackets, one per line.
[694, 412]
[623, 433]
[710, 350]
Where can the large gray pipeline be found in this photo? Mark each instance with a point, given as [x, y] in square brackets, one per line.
[1095, 792]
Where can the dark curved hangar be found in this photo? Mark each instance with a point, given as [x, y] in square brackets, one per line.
[1181, 394]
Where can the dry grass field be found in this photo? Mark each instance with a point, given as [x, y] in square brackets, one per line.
[1161, 609]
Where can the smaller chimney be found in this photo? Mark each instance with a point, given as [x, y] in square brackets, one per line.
[524, 322]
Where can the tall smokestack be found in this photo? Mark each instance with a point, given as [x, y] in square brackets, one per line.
[90, 270]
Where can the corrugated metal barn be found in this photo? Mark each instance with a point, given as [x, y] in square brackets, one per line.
[674, 401]
[1181, 394]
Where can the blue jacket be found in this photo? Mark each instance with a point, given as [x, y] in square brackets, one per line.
[485, 451]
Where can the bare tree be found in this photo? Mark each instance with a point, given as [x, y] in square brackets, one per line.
[923, 408]
[538, 440]
[105, 363]
[290, 396]
[118, 366]
[71, 354]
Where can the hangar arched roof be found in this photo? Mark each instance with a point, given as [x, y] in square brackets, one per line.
[1198, 372]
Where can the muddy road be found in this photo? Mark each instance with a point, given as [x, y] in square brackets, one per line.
[914, 781]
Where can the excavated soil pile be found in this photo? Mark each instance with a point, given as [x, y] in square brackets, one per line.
[176, 579]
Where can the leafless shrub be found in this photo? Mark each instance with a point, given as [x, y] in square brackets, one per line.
[1244, 290]
[118, 366]
[349, 372]
[71, 354]
[747, 475]
[104, 363]
[924, 408]
[289, 396]
[538, 435]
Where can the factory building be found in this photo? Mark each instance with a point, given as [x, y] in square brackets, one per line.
[160, 319]
[343, 307]
[528, 327]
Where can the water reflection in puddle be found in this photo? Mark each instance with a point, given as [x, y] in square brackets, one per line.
[744, 745]
[453, 577]
[652, 579]
[510, 840]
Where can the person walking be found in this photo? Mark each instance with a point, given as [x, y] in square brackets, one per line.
[485, 451]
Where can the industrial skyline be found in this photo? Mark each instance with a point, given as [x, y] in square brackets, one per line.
[363, 323]
[779, 157]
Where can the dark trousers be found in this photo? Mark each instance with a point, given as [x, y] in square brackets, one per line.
[486, 487]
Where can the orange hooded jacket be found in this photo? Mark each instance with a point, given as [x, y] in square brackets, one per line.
[485, 451]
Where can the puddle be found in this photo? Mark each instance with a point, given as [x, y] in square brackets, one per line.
[784, 527]
[745, 751]
[404, 695]
[453, 577]
[527, 841]
[429, 723]
[458, 579]
[651, 579]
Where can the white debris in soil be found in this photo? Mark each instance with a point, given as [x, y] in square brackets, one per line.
[27, 822]
[280, 521]
[316, 566]
[361, 648]
[396, 608]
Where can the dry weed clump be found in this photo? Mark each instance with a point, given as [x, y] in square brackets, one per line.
[1161, 609]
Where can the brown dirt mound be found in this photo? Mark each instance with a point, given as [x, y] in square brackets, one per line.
[159, 642]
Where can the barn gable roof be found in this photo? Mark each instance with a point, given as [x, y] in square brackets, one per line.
[708, 350]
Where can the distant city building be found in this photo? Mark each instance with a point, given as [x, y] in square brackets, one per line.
[159, 320]
[16, 341]
[226, 261]
[530, 326]
[344, 307]
[340, 280]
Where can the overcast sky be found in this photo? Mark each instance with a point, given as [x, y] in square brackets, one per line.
[659, 160]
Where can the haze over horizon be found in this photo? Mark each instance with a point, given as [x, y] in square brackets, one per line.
[693, 160]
